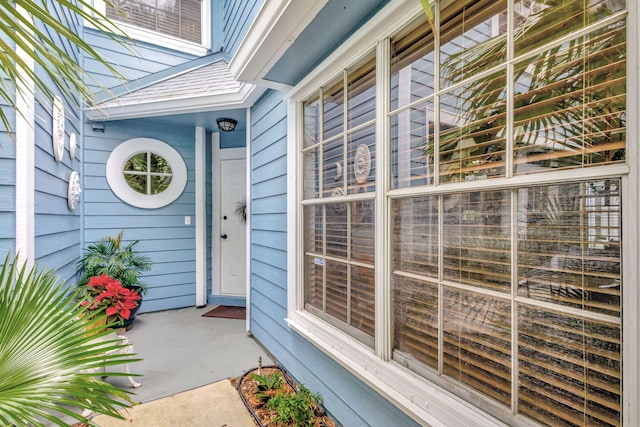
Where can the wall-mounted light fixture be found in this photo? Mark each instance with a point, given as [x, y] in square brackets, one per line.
[226, 125]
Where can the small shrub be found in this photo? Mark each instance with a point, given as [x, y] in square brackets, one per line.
[297, 410]
[267, 385]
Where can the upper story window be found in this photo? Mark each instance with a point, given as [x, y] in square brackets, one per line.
[178, 18]
[182, 25]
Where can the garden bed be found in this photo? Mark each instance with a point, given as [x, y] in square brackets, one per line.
[274, 400]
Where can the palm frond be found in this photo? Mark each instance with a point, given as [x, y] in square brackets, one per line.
[49, 365]
[37, 29]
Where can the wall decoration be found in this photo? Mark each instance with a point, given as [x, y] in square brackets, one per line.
[362, 164]
[73, 190]
[72, 145]
[57, 132]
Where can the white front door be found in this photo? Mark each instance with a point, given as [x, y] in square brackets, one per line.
[233, 228]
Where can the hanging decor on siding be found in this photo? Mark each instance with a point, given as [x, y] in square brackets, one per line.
[73, 190]
[57, 131]
[72, 146]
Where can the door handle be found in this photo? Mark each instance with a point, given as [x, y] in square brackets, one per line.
[223, 236]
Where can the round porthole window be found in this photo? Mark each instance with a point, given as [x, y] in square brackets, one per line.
[146, 173]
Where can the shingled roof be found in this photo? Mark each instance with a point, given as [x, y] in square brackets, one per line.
[204, 84]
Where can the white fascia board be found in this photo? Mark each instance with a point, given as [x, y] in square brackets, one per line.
[276, 26]
[243, 98]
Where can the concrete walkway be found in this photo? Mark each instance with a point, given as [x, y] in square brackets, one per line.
[213, 405]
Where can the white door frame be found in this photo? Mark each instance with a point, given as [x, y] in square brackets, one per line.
[217, 155]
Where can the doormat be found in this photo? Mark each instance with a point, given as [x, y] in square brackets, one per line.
[227, 311]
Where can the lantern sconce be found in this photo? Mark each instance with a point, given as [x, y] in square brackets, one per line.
[226, 125]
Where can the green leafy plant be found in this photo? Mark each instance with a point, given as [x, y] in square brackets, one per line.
[298, 410]
[109, 256]
[268, 385]
[50, 367]
[27, 25]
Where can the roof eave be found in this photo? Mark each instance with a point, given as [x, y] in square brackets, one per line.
[243, 98]
[276, 27]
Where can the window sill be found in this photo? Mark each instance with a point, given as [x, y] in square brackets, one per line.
[419, 399]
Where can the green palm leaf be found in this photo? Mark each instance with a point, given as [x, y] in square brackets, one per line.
[49, 365]
[30, 26]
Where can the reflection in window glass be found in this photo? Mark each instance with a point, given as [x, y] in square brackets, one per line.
[468, 39]
[569, 245]
[361, 92]
[472, 139]
[477, 342]
[147, 173]
[333, 109]
[477, 239]
[570, 110]
[411, 143]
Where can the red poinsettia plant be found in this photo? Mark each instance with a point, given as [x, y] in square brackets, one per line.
[106, 293]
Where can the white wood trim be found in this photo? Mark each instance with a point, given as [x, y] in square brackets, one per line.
[248, 223]
[294, 274]
[383, 332]
[242, 98]
[631, 230]
[276, 26]
[25, 163]
[218, 154]
[201, 216]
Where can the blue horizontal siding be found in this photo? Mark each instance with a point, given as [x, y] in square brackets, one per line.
[7, 170]
[162, 233]
[237, 16]
[139, 61]
[56, 228]
[8, 229]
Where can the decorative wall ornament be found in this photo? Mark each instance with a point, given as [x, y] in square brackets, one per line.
[338, 171]
[362, 164]
[74, 190]
[58, 128]
[72, 145]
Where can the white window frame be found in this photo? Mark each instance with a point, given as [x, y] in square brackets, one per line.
[165, 40]
[116, 178]
[425, 402]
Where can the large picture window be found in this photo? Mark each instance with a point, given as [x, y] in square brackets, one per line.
[492, 201]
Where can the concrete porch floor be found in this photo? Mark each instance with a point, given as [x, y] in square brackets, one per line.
[182, 350]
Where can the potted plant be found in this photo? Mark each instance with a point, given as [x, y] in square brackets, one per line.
[121, 262]
[50, 367]
[103, 295]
